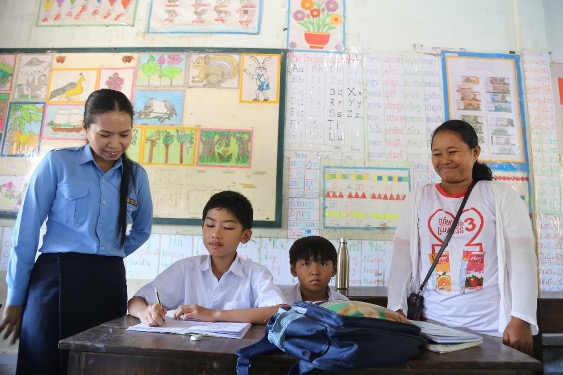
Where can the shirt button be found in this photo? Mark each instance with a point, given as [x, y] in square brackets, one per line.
[103, 202]
[103, 247]
[99, 225]
[103, 180]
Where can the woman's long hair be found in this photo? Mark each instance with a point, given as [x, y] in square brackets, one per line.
[481, 171]
[104, 101]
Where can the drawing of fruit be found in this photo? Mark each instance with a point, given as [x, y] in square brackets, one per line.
[444, 282]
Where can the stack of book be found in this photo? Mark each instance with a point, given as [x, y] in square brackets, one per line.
[444, 339]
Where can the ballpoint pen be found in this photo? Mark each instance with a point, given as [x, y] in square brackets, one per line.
[158, 300]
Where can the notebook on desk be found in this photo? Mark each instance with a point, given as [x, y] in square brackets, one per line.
[187, 327]
[444, 339]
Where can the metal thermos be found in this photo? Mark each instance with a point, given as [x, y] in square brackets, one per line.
[342, 277]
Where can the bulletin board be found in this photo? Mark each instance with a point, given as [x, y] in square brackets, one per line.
[206, 120]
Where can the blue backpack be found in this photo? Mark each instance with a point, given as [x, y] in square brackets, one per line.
[336, 336]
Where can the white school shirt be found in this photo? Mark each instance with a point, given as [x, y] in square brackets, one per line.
[294, 294]
[190, 281]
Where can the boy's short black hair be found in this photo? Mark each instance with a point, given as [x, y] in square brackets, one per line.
[315, 248]
[235, 203]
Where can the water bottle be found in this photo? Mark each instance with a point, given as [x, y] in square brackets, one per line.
[343, 267]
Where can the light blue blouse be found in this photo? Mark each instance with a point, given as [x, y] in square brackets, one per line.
[81, 205]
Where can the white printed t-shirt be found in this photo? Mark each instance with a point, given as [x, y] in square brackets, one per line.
[467, 270]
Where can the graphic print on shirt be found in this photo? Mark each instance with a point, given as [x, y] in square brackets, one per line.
[472, 268]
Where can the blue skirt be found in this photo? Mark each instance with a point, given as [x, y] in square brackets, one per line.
[68, 293]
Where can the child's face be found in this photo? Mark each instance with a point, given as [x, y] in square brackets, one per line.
[313, 276]
[222, 233]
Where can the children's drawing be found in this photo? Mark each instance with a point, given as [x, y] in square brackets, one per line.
[71, 85]
[3, 109]
[134, 150]
[86, 12]
[214, 70]
[316, 25]
[260, 81]
[170, 145]
[12, 189]
[63, 122]
[205, 16]
[7, 63]
[119, 79]
[31, 77]
[158, 107]
[23, 127]
[161, 69]
[231, 148]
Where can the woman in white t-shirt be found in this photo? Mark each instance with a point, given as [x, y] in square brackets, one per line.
[486, 279]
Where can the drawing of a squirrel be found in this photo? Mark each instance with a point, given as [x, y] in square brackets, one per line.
[215, 69]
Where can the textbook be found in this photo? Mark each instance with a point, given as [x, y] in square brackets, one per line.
[444, 339]
[189, 327]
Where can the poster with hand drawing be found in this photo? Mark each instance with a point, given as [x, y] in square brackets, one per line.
[158, 107]
[205, 16]
[161, 69]
[7, 63]
[120, 79]
[86, 13]
[213, 70]
[21, 136]
[71, 85]
[260, 81]
[31, 77]
[168, 145]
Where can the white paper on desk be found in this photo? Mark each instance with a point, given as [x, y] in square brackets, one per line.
[445, 335]
[186, 327]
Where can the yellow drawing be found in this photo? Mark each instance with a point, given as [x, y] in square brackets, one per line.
[69, 91]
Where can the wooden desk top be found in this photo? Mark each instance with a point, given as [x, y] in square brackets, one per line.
[110, 347]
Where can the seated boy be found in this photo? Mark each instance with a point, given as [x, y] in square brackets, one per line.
[312, 260]
[220, 286]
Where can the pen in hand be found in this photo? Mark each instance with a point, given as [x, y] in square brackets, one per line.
[158, 300]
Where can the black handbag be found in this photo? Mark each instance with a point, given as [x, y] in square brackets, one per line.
[415, 300]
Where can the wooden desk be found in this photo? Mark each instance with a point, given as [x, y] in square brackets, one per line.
[110, 349]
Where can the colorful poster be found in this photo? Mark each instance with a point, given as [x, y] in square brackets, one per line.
[86, 12]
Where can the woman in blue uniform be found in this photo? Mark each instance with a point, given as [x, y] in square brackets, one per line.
[87, 195]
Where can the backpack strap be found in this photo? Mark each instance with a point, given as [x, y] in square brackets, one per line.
[245, 354]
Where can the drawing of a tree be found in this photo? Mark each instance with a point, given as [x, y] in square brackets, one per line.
[207, 147]
[20, 116]
[167, 140]
[186, 140]
[152, 139]
[150, 68]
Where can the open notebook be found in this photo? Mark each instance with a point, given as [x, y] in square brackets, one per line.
[186, 327]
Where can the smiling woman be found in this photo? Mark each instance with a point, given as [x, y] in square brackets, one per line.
[485, 280]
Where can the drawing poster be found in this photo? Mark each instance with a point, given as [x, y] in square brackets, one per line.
[86, 12]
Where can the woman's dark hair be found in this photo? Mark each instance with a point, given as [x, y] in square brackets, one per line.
[234, 202]
[468, 135]
[104, 101]
[312, 248]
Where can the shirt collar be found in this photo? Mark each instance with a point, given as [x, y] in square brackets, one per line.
[87, 156]
[235, 267]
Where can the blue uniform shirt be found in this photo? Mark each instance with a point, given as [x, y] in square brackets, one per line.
[81, 205]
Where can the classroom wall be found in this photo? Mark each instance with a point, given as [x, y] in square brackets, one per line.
[372, 27]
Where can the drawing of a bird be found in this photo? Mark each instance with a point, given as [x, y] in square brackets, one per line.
[170, 108]
[147, 109]
[70, 90]
[154, 136]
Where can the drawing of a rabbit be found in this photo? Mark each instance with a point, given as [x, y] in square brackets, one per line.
[261, 77]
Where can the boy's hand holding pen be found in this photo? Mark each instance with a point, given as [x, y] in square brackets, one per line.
[163, 314]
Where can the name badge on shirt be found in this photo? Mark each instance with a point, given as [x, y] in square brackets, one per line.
[132, 201]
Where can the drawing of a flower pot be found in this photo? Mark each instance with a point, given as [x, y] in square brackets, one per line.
[317, 40]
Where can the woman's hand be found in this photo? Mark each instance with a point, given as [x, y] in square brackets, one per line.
[518, 335]
[12, 322]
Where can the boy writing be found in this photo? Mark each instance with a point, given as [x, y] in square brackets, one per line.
[219, 286]
[312, 260]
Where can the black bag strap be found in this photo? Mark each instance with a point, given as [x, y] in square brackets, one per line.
[448, 236]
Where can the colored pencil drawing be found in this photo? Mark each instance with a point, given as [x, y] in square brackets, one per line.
[32, 77]
[169, 145]
[23, 127]
[3, 109]
[7, 63]
[161, 69]
[225, 148]
[120, 79]
[159, 107]
[260, 82]
[86, 12]
[71, 85]
[134, 150]
[12, 189]
[214, 70]
[63, 122]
